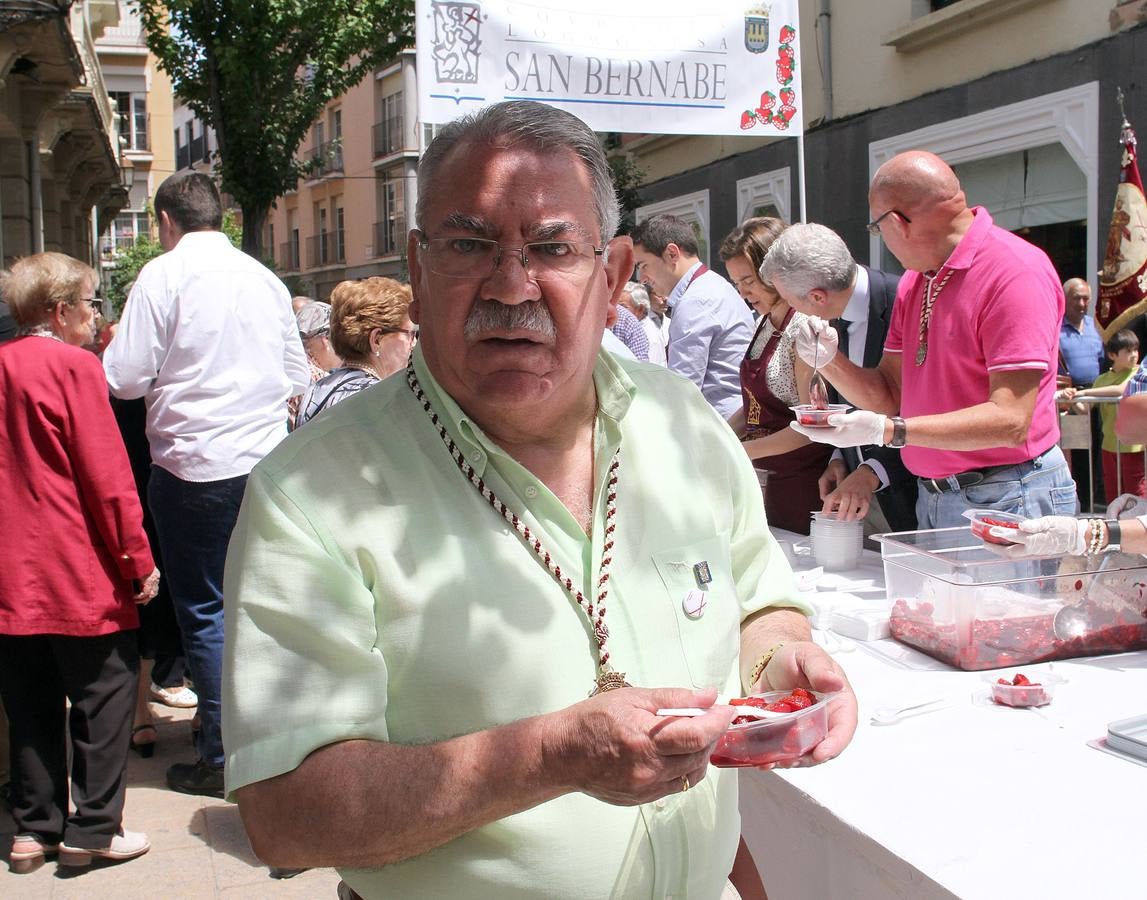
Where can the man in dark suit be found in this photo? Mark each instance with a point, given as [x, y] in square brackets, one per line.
[812, 269]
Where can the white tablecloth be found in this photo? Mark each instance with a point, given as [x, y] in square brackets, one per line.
[973, 800]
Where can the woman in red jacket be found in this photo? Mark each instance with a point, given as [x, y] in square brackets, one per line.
[73, 546]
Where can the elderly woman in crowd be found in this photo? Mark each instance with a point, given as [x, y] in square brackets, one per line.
[773, 378]
[76, 564]
[372, 332]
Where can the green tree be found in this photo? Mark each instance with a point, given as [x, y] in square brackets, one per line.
[628, 177]
[259, 72]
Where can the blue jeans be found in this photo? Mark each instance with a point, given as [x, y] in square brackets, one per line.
[1040, 487]
[194, 521]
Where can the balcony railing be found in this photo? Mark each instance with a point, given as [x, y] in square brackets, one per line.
[325, 249]
[390, 237]
[325, 159]
[288, 257]
[182, 157]
[388, 137]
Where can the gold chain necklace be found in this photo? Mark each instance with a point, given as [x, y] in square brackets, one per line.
[607, 678]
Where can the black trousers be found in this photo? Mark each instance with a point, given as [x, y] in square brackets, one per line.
[38, 673]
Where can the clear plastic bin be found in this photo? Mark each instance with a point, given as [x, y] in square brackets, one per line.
[957, 600]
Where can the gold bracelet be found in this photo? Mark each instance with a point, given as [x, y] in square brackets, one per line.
[763, 661]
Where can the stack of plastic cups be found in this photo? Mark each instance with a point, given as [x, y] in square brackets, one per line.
[836, 545]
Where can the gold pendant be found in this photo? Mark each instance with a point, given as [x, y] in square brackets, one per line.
[921, 354]
[609, 681]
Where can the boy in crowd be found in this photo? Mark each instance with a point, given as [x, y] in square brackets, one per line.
[1123, 351]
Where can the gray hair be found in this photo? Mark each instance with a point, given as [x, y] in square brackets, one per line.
[524, 123]
[807, 257]
[638, 294]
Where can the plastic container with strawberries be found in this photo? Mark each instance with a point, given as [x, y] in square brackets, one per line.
[815, 416]
[984, 520]
[1024, 689]
[958, 600]
[782, 738]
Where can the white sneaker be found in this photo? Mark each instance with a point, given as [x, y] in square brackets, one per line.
[125, 845]
[181, 697]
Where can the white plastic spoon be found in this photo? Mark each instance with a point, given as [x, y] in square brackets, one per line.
[890, 715]
[687, 711]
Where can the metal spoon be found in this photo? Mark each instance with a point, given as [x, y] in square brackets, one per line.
[1071, 621]
[817, 386]
[890, 715]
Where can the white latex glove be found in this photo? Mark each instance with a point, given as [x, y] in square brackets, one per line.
[811, 333]
[854, 429]
[1126, 506]
[1046, 536]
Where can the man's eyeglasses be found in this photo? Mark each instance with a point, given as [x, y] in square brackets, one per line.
[874, 225]
[467, 257]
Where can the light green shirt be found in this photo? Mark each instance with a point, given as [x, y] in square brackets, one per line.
[371, 592]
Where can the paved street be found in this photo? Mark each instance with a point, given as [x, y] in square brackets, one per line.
[198, 848]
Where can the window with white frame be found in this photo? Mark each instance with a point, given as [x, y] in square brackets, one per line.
[132, 111]
[1047, 147]
[767, 194]
[692, 208]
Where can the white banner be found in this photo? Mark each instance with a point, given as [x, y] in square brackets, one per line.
[715, 67]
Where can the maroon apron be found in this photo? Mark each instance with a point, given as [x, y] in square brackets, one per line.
[792, 492]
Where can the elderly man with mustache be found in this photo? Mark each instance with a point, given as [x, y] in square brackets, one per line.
[460, 597]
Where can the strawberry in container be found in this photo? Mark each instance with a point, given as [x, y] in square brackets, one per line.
[985, 520]
[1021, 691]
[800, 723]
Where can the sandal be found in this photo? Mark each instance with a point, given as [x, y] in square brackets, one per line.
[145, 748]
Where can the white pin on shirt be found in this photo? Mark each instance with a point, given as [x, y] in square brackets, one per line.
[694, 603]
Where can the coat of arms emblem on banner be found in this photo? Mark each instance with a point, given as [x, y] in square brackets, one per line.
[456, 42]
[757, 29]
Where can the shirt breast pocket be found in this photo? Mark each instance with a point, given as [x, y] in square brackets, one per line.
[708, 620]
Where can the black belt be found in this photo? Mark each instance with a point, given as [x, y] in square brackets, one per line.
[963, 480]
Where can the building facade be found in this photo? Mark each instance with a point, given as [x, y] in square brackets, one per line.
[348, 218]
[1018, 95]
[141, 95]
[61, 183]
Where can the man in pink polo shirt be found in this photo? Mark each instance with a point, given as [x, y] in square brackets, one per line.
[967, 381]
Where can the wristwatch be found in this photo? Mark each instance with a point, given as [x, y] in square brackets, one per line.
[1114, 535]
[899, 433]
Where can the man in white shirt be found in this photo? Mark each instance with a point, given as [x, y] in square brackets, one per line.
[711, 326]
[209, 340]
[635, 298]
[813, 271]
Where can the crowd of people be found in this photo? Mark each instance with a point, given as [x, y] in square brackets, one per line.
[416, 530]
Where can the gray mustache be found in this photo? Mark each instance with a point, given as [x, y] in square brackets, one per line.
[491, 316]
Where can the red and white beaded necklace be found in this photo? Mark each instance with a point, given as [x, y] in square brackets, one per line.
[607, 678]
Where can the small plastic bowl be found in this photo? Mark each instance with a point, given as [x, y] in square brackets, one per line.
[773, 740]
[1038, 693]
[812, 417]
[984, 520]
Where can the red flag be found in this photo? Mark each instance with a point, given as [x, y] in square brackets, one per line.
[1123, 279]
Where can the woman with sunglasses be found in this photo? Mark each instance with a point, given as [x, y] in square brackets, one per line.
[77, 564]
[372, 332]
